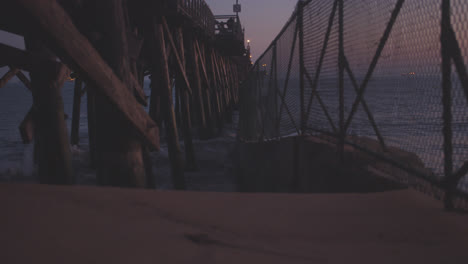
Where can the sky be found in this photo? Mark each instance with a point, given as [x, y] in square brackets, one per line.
[262, 19]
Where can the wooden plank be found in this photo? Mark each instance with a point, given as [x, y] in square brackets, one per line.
[202, 63]
[26, 128]
[175, 154]
[199, 93]
[91, 111]
[120, 158]
[57, 24]
[176, 54]
[135, 44]
[190, 159]
[23, 59]
[216, 82]
[24, 80]
[54, 153]
[138, 91]
[8, 76]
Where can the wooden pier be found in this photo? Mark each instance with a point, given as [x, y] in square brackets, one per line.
[111, 46]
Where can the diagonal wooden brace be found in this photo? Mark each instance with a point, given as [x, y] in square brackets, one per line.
[60, 30]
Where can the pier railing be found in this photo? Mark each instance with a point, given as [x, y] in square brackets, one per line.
[199, 13]
[376, 75]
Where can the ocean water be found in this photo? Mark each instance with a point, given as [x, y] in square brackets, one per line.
[407, 111]
[16, 158]
[17, 164]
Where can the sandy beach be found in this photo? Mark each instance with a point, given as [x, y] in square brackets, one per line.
[48, 224]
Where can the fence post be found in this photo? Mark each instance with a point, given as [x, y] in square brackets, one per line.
[300, 26]
[341, 64]
[450, 185]
[296, 181]
[258, 99]
[275, 84]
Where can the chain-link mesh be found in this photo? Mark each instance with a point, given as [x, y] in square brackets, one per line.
[401, 106]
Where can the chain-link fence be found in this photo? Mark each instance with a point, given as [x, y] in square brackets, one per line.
[388, 71]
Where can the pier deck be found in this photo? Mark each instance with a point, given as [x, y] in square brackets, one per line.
[110, 225]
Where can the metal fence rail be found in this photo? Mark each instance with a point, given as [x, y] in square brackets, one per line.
[392, 71]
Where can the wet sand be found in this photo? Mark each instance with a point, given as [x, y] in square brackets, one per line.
[47, 224]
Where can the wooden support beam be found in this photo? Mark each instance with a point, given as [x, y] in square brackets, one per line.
[91, 114]
[155, 97]
[195, 64]
[8, 76]
[215, 81]
[175, 153]
[58, 26]
[176, 54]
[177, 90]
[202, 64]
[23, 59]
[229, 87]
[221, 92]
[14, 20]
[120, 158]
[225, 79]
[190, 159]
[24, 80]
[211, 93]
[225, 82]
[26, 127]
[53, 153]
[138, 91]
[205, 92]
[75, 128]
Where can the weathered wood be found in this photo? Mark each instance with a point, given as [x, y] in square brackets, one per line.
[26, 127]
[91, 114]
[175, 153]
[75, 128]
[150, 179]
[215, 82]
[120, 160]
[53, 149]
[220, 86]
[58, 26]
[135, 44]
[207, 90]
[198, 85]
[177, 90]
[221, 91]
[190, 160]
[24, 80]
[8, 76]
[176, 54]
[202, 63]
[138, 90]
[225, 75]
[23, 59]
